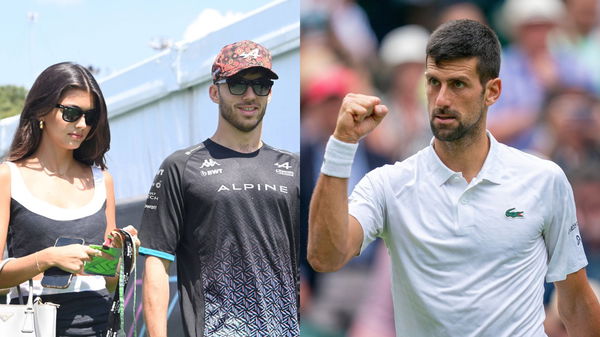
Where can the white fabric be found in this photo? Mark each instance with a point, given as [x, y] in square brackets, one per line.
[338, 158]
[460, 266]
[78, 283]
[21, 193]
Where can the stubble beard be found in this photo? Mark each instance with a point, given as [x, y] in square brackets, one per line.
[238, 122]
[449, 134]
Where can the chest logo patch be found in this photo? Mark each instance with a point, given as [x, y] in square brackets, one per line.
[511, 213]
[285, 172]
[209, 163]
[285, 165]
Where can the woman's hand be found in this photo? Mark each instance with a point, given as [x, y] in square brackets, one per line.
[116, 239]
[69, 258]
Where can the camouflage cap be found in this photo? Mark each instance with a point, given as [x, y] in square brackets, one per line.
[241, 55]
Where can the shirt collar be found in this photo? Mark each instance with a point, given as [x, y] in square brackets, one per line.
[491, 170]
[439, 172]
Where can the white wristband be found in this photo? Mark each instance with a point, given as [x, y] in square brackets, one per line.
[338, 158]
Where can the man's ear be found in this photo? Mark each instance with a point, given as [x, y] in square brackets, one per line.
[213, 92]
[493, 90]
[269, 97]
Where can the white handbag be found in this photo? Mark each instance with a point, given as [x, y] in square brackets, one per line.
[34, 319]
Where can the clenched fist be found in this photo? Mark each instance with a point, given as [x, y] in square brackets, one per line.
[359, 115]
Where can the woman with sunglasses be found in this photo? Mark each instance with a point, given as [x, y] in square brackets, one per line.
[55, 184]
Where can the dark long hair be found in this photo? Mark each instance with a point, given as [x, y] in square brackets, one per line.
[46, 92]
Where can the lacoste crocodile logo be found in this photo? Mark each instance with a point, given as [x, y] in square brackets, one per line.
[511, 213]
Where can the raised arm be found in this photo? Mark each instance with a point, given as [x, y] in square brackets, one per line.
[578, 305]
[334, 236]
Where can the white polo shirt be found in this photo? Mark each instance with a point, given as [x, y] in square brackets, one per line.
[469, 260]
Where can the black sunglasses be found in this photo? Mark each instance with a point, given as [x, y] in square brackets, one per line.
[72, 114]
[239, 86]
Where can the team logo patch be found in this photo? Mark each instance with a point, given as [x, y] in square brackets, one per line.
[253, 187]
[511, 213]
[285, 166]
[254, 54]
[211, 172]
[209, 163]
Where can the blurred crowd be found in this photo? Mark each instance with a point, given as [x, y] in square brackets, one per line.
[550, 106]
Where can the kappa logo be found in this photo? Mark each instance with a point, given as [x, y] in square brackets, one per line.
[511, 213]
[209, 163]
[253, 54]
[5, 316]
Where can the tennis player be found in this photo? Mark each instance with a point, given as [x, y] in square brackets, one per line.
[473, 227]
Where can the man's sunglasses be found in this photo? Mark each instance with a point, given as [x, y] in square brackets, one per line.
[239, 86]
[72, 114]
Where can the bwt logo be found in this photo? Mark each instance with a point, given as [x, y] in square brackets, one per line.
[211, 172]
[209, 163]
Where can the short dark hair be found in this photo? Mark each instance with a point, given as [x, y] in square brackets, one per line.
[46, 92]
[465, 39]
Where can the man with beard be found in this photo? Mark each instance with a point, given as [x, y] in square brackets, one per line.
[228, 210]
[473, 227]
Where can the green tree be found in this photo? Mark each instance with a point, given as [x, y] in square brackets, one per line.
[12, 99]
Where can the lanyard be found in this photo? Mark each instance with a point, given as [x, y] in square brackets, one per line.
[116, 316]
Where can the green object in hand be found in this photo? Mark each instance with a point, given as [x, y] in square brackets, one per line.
[100, 265]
